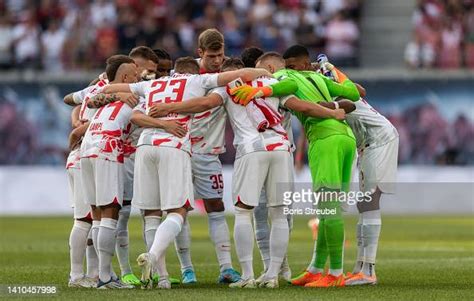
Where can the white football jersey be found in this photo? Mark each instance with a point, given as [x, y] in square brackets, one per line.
[74, 158]
[175, 88]
[286, 124]
[207, 131]
[369, 126]
[132, 134]
[86, 113]
[106, 133]
[247, 138]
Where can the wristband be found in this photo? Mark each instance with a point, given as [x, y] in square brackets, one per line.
[336, 104]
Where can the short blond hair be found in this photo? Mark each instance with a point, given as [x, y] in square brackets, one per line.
[210, 39]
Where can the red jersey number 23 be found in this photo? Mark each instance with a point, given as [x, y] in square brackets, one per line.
[174, 91]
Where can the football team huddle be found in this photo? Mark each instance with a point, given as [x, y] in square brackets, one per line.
[148, 133]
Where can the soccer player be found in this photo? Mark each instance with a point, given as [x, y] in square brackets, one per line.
[150, 60]
[331, 152]
[82, 216]
[249, 57]
[80, 124]
[163, 158]
[377, 145]
[165, 63]
[207, 140]
[102, 158]
[262, 160]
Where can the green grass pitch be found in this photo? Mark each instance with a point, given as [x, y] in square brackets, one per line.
[419, 258]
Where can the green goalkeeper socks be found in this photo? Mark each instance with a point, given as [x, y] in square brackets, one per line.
[335, 241]
[321, 250]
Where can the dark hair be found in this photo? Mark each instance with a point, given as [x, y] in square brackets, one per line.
[186, 64]
[250, 55]
[232, 62]
[295, 51]
[144, 52]
[113, 64]
[162, 54]
[210, 39]
[268, 55]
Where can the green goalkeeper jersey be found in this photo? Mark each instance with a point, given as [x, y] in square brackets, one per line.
[314, 87]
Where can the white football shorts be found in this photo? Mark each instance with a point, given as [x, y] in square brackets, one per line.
[163, 179]
[258, 170]
[81, 208]
[128, 169]
[207, 176]
[378, 167]
[102, 181]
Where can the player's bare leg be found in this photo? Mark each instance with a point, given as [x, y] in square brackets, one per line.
[243, 236]
[368, 233]
[220, 236]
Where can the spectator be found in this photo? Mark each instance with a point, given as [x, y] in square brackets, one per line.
[52, 43]
[342, 35]
[103, 13]
[450, 52]
[26, 36]
[419, 54]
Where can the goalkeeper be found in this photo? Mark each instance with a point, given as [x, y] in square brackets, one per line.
[331, 150]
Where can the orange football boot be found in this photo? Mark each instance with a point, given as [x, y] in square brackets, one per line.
[328, 281]
[305, 278]
[361, 279]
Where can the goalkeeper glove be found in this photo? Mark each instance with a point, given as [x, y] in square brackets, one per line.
[244, 94]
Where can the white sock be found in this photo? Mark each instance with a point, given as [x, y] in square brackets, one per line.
[262, 231]
[360, 247]
[279, 237]
[220, 236]
[95, 235]
[151, 223]
[165, 234]
[371, 226]
[182, 244]
[77, 248]
[92, 258]
[106, 246]
[243, 237]
[121, 244]
[335, 272]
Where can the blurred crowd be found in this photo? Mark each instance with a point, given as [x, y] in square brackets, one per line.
[60, 35]
[443, 35]
[427, 137]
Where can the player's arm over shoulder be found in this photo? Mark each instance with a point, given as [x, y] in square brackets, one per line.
[311, 109]
[347, 105]
[191, 106]
[76, 98]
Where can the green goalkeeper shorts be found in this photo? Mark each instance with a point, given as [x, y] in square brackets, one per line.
[330, 161]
